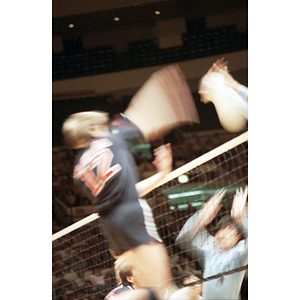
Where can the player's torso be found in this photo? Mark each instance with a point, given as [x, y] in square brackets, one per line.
[106, 169]
[226, 287]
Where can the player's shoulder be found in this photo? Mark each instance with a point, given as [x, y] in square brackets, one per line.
[117, 290]
[124, 126]
[124, 288]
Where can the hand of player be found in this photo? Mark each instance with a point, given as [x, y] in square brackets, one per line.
[217, 65]
[238, 209]
[163, 158]
[222, 67]
[209, 211]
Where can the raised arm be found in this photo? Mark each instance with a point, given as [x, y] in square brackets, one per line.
[239, 206]
[189, 243]
[163, 163]
[222, 67]
[164, 102]
[231, 82]
[193, 235]
[209, 211]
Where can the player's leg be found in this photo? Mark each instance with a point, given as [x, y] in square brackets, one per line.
[186, 293]
[139, 294]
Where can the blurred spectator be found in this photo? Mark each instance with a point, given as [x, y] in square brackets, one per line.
[209, 144]
[85, 201]
[183, 261]
[57, 260]
[70, 197]
[60, 285]
[138, 158]
[93, 297]
[55, 181]
[97, 278]
[109, 283]
[192, 266]
[80, 295]
[173, 255]
[146, 166]
[72, 289]
[58, 194]
[55, 226]
[176, 275]
[216, 139]
[79, 264]
[89, 288]
[70, 274]
[80, 281]
[191, 209]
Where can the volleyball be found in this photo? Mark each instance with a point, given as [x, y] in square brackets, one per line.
[232, 110]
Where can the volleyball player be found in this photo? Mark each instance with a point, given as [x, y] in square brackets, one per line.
[105, 169]
[224, 251]
[125, 279]
[228, 96]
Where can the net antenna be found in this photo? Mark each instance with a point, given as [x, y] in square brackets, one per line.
[82, 247]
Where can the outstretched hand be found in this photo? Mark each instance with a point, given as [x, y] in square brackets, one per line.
[218, 65]
[239, 207]
[209, 211]
[221, 66]
[163, 163]
[163, 159]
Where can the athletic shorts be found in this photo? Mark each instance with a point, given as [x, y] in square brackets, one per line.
[130, 224]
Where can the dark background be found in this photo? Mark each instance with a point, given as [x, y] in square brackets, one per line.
[97, 45]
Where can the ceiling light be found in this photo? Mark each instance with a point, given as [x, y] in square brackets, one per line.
[157, 12]
[117, 19]
[71, 25]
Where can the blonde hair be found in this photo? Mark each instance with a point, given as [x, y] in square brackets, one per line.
[76, 127]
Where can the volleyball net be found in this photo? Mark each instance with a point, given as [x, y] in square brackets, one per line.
[81, 261]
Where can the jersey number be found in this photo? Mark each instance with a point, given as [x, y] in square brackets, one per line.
[100, 157]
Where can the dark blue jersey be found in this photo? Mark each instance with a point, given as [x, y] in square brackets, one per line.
[106, 168]
[117, 290]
